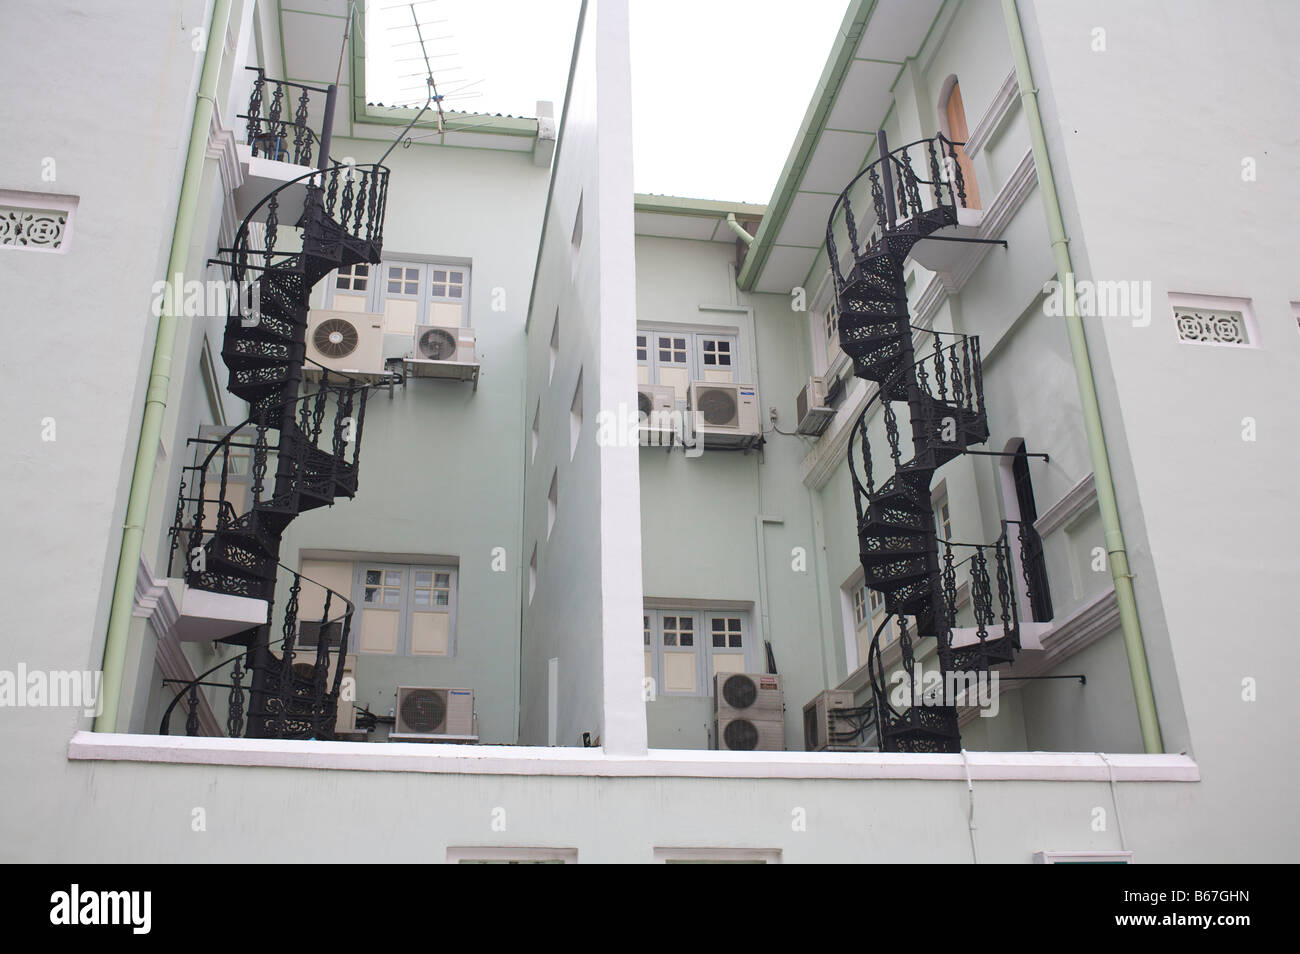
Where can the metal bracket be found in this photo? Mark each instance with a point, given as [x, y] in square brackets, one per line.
[958, 238]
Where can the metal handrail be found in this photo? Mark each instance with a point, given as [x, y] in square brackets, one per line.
[345, 617]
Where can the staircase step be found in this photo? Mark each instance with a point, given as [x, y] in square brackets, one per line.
[982, 657]
[922, 729]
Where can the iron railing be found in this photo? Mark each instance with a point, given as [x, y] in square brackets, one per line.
[324, 461]
[909, 189]
[949, 381]
[272, 133]
[300, 699]
[347, 202]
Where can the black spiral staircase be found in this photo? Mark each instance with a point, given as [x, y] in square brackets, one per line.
[302, 441]
[915, 192]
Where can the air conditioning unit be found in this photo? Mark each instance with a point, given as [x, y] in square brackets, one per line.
[434, 715]
[657, 412]
[749, 712]
[347, 341]
[824, 730]
[436, 343]
[811, 410]
[724, 414]
[439, 352]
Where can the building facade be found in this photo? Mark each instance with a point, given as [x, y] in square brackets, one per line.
[463, 443]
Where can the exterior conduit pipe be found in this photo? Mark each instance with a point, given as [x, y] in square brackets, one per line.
[155, 399]
[1106, 502]
[739, 229]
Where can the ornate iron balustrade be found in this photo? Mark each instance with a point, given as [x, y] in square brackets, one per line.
[973, 636]
[947, 384]
[343, 210]
[220, 493]
[911, 190]
[298, 699]
[272, 132]
[1033, 569]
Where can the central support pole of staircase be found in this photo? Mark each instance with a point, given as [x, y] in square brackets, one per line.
[887, 177]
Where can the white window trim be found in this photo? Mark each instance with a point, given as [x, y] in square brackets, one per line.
[407, 606]
[766, 856]
[694, 335]
[468, 853]
[1083, 857]
[824, 365]
[703, 644]
[377, 286]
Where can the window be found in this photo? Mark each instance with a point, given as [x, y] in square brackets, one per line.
[446, 284]
[866, 611]
[537, 421]
[955, 114]
[717, 856]
[353, 277]
[532, 574]
[406, 610]
[511, 856]
[715, 353]
[825, 327]
[552, 502]
[676, 358]
[942, 514]
[859, 605]
[831, 327]
[555, 347]
[576, 240]
[575, 417]
[684, 649]
[408, 294]
[403, 280]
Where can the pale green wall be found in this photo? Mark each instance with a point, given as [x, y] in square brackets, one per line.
[441, 463]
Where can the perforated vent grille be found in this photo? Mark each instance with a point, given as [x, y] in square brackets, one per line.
[335, 338]
[437, 344]
[423, 710]
[739, 692]
[718, 405]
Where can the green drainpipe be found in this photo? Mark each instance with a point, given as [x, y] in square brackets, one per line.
[155, 399]
[1119, 569]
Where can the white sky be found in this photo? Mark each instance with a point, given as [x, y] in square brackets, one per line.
[719, 87]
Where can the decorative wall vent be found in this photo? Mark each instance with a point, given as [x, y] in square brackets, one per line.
[1213, 327]
[1201, 319]
[36, 222]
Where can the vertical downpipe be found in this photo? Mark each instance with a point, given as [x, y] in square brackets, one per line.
[155, 401]
[1134, 646]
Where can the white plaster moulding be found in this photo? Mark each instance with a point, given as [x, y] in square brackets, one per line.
[155, 603]
[998, 110]
[1076, 500]
[657, 763]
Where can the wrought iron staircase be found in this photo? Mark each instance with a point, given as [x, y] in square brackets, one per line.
[305, 445]
[915, 191]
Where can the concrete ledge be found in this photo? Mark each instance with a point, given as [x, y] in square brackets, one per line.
[657, 763]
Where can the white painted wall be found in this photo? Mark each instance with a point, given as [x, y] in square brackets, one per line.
[586, 611]
[1165, 202]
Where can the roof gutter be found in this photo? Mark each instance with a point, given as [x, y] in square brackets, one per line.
[160, 373]
[1134, 646]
